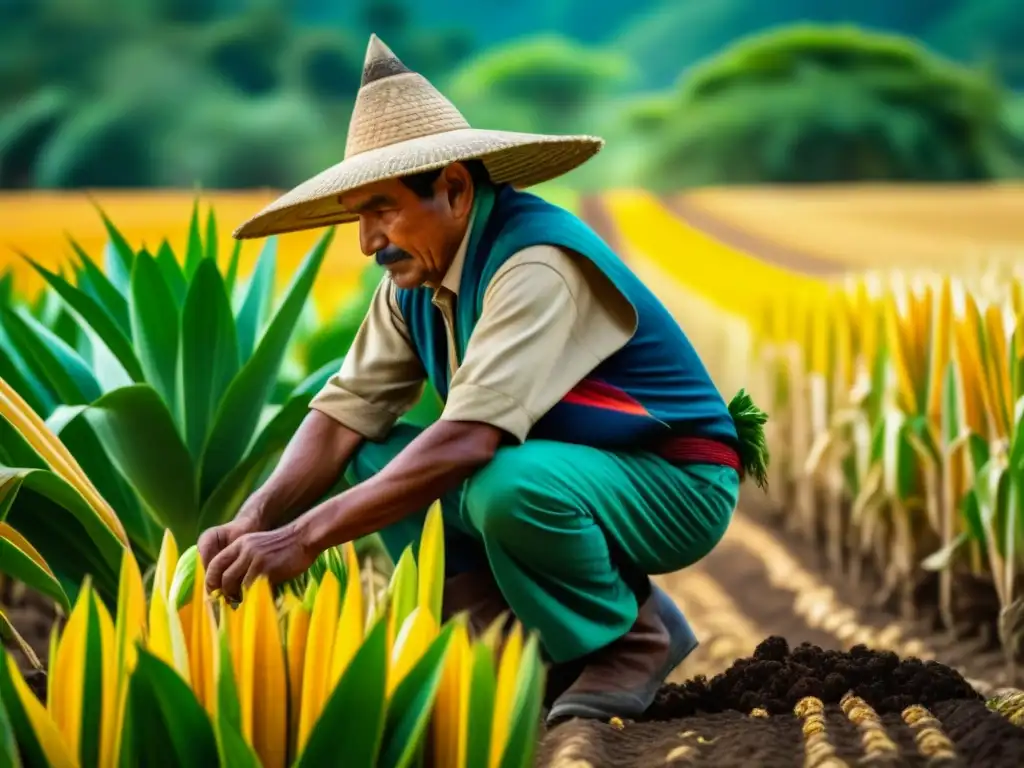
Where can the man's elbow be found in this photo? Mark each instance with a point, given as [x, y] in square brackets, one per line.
[472, 443]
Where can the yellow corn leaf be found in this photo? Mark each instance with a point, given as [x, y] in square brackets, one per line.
[350, 632]
[129, 627]
[69, 674]
[56, 454]
[431, 562]
[971, 394]
[166, 562]
[19, 541]
[47, 733]
[819, 332]
[899, 357]
[233, 618]
[202, 644]
[111, 675]
[319, 652]
[166, 638]
[505, 694]
[262, 688]
[940, 351]
[842, 321]
[451, 710]
[974, 336]
[997, 369]
[418, 631]
[298, 633]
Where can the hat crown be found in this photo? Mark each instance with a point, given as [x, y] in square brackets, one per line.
[395, 104]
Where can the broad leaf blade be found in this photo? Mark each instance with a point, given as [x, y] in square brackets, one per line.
[64, 370]
[411, 703]
[231, 743]
[240, 409]
[171, 270]
[137, 430]
[104, 291]
[258, 298]
[90, 312]
[194, 249]
[354, 713]
[154, 326]
[164, 725]
[209, 353]
[20, 560]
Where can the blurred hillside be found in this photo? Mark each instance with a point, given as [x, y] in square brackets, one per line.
[256, 93]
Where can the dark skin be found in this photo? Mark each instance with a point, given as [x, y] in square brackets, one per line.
[265, 538]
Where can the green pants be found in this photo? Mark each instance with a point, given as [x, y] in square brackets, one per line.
[566, 529]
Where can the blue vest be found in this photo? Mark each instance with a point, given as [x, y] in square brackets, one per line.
[654, 387]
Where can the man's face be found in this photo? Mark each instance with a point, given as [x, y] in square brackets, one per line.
[414, 238]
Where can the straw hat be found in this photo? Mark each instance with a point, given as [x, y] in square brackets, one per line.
[402, 125]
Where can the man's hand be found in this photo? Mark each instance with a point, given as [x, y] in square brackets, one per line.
[279, 555]
[214, 540]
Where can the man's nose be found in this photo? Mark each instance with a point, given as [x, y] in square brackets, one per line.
[371, 239]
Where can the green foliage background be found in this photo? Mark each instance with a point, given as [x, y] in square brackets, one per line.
[253, 93]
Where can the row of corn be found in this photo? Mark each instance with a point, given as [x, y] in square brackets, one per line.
[896, 405]
[332, 675]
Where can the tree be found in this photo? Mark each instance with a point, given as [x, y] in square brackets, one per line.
[817, 103]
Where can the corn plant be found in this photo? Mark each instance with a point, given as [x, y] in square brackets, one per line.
[167, 404]
[922, 422]
[55, 527]
[322, 677]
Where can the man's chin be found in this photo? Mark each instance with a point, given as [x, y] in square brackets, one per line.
[405, 278]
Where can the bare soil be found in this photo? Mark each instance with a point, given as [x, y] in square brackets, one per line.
[709, 721]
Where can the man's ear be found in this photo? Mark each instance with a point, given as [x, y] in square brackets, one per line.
[458, 188]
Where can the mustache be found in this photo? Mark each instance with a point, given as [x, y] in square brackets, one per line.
[392, 255]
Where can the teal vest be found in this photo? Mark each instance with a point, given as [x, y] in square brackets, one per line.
[654, 387]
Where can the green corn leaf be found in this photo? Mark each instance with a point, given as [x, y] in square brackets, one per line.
[231, 277]
[411, 703]
[18, 564]
[523, 737]
[354, 713]
[27, 740]
[483, 685]
[171, 270]
[104, 291]
[231, 744]
[138, 433]
[68, 534]
[92, 689]
[403, 589]
[164, 724]
[209, 353]
[15, 449]
[154, 326]
[184, 577]
[211, 237]
[9, 755]
[90, 312]
[74, 430]
[7, 286]
[14, 371]
[63, 369]
[194, 248]
[239, 412]
[223, 503]
[258, 299]
[121, 266]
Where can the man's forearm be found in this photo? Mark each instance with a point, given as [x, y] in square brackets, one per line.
[441, 458]
[311, 463]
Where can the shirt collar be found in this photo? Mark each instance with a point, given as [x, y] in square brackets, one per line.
[453, 277]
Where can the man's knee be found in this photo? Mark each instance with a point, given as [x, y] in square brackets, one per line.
[505, 497]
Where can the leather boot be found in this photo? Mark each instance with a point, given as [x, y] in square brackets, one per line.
[476, 593]
[622, 679]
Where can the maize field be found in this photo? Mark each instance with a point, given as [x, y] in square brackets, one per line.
[868, 610]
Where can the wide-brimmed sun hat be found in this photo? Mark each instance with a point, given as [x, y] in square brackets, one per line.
[400, 125]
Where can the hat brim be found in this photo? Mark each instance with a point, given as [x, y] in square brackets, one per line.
[519, 159]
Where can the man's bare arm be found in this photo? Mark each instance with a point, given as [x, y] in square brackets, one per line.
[438, 460]
[312, 462]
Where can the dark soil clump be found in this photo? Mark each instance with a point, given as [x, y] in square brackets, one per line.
[775, 678]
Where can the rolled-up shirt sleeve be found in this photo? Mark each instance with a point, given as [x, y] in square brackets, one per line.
[549, 318]
[381, 377]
